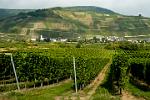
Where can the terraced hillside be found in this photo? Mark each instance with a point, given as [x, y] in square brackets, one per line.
[74, 22]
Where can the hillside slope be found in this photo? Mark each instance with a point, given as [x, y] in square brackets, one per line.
[73, 22]
[12, 12]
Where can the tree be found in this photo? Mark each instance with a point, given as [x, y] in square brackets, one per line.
[140, 15]
[119, 72]
[95, 39]
[79, 44]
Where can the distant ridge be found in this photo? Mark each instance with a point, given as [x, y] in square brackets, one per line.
[90, 8]
[12, 12]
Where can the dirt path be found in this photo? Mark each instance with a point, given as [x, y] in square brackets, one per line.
[127, 96]
[93, 86]
[98, 80]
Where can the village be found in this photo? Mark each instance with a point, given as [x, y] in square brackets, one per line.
[97, 38]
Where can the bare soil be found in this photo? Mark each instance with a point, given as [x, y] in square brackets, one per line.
[128, 96]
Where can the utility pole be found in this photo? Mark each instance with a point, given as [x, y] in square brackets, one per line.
[15, 71]
[75, 74]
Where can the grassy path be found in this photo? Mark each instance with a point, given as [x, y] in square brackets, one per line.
[98, 80]
[42, 93]
[127, 96]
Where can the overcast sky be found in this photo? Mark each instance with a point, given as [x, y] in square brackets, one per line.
[127, 7]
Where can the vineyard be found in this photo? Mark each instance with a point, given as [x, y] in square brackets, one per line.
[133, 67]
[38, 67]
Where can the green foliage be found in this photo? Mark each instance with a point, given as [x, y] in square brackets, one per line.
[119, 71]
[10, 87]
[6, 71]
[125, 46]
[41, 65]
[48, 93]
[86, 73]
[103, 94]
[43, 13]
[129, 46]
[130, 65]
[85, 52]
[55, 33]
[140, 69]
[79, 44]
[112, 46]
[137, 92]
[91, 9]
[11, 12]
[31, 67]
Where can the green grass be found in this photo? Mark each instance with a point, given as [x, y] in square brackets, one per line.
[137, 92]
[103, 94]
[40, 94]
[13, 45]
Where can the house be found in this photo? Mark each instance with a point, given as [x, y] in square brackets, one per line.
[120, 39]
[106, 15]
[42, 38]
[147, 40]
[33, 39]
[100, 37]
[112, 38]
[53, 39]
[63, 40]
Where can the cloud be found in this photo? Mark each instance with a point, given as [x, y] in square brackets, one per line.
[129, 7]
[132, 7]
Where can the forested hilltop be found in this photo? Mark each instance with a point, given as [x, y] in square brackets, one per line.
[12, 12]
